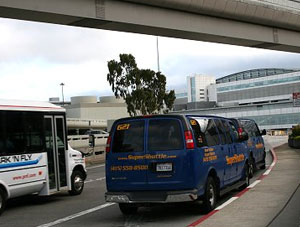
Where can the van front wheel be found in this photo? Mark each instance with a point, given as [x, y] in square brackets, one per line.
[210, 195]
[2, 201]
[127, 208]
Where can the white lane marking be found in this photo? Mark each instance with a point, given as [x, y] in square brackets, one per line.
[227, 203]
[59, 221]
[267, 172]
[254, 183]
[94, 167]
[92, 180]
[273, 164]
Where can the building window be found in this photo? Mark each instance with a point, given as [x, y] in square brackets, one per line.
[193, 89]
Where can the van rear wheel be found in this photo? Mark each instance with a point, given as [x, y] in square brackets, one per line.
[251, 167]
[127, 208]
[263, 166]
[2, 201]
[246, 177]
[210, 195]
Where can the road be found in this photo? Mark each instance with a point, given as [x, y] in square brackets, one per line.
[90, 208]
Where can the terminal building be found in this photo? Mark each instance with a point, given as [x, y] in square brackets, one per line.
[265, 95]
[88, 113]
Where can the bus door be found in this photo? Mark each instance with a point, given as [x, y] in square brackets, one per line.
[55, 147]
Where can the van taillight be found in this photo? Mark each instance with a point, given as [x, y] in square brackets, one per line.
[189, 140]
[240, 131]
[107, 149]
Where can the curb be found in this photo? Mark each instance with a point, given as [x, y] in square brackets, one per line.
[238, 195]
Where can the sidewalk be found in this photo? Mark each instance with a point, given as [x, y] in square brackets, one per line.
[273, 202]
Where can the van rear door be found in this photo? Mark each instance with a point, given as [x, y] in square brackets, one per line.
[166, 155]
[126, 168]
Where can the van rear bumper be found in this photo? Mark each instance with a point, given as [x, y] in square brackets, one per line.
[151, 196]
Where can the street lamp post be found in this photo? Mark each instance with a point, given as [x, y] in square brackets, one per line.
[62, 92]
[157, 54]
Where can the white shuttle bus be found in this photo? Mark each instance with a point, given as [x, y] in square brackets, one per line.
[34, 155]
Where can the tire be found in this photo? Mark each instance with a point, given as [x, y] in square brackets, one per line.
[127, 208]
[251, 167]
[210, 195]
[3, 201]
[245, 177]
[77, 183]
[263, 166]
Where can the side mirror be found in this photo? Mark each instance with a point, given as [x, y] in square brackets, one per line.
[263, 132]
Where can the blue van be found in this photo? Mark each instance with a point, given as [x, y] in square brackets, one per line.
[255, 143]
[173, 158]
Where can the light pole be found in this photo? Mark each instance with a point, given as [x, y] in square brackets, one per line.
[62, 92]
[157, 52]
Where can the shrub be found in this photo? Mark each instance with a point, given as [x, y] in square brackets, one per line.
[295, 131]
[296, 138]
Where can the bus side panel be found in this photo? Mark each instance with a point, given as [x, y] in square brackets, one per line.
[24, 174]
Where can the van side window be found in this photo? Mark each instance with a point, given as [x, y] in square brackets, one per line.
[205, 132]
[221, 130]
[235, 132]
[257, 132]
[250, 128]
[227, 133]
[165, 134]
[129, 137]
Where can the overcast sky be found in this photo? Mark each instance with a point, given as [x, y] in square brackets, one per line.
[36, 57]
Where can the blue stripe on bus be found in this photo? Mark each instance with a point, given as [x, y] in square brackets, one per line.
[18, 164]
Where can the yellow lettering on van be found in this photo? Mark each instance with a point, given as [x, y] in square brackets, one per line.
[123, 127]
[193, 122]
[259, 146]
[235, 159]
[209, 149]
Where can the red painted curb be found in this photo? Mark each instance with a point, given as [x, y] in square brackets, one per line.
[263, 175]
[202, 219]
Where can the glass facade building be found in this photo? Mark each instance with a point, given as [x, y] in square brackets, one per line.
[264, 95]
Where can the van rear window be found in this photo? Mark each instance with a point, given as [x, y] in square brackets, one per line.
[205, 132]
[129, 137]
[165, 134]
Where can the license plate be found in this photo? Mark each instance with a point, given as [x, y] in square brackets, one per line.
[164, 167]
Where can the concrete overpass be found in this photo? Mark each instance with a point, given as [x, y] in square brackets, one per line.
[269, 24]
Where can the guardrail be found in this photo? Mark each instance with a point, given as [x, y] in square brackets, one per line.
[82, 141]
[95, 154]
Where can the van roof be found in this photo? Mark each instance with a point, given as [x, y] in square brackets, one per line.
[170, 115]
[22, 105]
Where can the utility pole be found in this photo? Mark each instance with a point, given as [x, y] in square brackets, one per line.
[62, 92]
[157, 51]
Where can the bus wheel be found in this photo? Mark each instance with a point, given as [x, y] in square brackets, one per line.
[77, 183]
[210, 195]
[127, 208]
[2, 201]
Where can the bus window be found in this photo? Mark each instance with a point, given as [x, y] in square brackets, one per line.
[21, 133]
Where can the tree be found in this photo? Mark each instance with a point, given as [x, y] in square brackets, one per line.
[143, 90]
